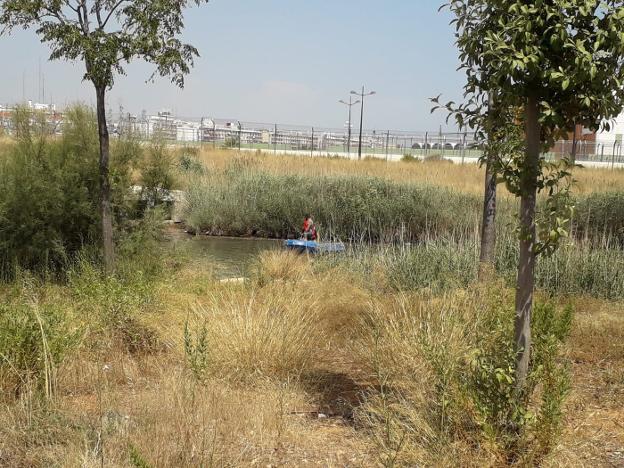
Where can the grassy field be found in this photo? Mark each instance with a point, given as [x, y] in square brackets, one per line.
[466, 179]
[387, 356]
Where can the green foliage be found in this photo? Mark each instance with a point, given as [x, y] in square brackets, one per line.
[34, 340]
[512, 419]
[241, 201]
[188, 162]
[557, 51]
[112, 304]
[136, 458]
[231, 142]
[464, 397]
[407, 157]
[157, 172]
[197, 352]
[108, 34]
[49, 195]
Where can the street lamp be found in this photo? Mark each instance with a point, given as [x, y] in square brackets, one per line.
[362, 96]
[238, 124]
[350, 104]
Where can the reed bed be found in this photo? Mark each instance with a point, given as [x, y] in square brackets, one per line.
[467, 178]
[444, 264]
[267, 196]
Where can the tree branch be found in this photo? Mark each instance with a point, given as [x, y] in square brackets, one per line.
[58, 14]
[98, 14]
[111, 12]
[85, 16]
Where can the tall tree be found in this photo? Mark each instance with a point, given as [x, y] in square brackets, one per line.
[105, 35]
[493, 126]
[561, 62]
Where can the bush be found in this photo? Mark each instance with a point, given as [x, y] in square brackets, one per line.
[50, 191]
[157, 173]
[446, 373]
[34, 339]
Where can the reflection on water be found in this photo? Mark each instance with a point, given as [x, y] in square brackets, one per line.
[228, 257]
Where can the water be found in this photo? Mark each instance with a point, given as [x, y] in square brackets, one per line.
[228, 257]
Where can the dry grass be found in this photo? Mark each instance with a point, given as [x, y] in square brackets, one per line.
[467, 178]
[125, 411]
[594, 432]
[256, 405]
[286, 345]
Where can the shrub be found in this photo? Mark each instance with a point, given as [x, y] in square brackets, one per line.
[157, 173]
[407, 157]
[34, 340]
[49, 192]
[445, 368]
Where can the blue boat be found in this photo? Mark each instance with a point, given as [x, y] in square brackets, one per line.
[313, 246]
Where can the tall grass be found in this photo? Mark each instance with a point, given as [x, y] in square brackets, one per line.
[443, 264]
[251, 196]
[466, 178]
[445, 392]
[249, 202]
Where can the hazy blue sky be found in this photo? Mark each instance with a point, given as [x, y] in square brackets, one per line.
[285, 61]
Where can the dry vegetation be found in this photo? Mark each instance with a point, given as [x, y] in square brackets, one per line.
[289, 375]
[306, 363]
[467, 178]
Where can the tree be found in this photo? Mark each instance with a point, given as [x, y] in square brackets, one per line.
[105, 35]
[560, 61]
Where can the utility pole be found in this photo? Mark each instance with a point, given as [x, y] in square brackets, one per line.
[239, 135]
[362, 96]
[387, 142]
[350, 104]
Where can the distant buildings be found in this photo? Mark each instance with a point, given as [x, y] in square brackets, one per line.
[53, 119]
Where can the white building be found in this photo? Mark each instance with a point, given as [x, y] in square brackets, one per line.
[610, 142]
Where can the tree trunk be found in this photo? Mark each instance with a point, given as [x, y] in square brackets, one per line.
[488, 223]
[574, 146]
[105, 189]
[526, 262]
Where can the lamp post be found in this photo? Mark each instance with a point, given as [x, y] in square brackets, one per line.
[240, 127]
[362, 96]
[349, 104]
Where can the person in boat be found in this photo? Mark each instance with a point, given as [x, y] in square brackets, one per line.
[309, 228]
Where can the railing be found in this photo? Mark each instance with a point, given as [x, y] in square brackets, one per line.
[316, 141]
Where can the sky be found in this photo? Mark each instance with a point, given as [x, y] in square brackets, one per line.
[276, 61]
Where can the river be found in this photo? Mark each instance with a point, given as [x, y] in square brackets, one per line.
[228, 257]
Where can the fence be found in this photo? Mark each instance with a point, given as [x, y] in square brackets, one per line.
[388, 144]
[315, 141]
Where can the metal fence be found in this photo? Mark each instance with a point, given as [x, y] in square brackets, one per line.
[325, 141]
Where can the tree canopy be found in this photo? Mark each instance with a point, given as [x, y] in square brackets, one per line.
[565, 53]
[107, 34]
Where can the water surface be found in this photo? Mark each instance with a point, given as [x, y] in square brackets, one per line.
[228, 257]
